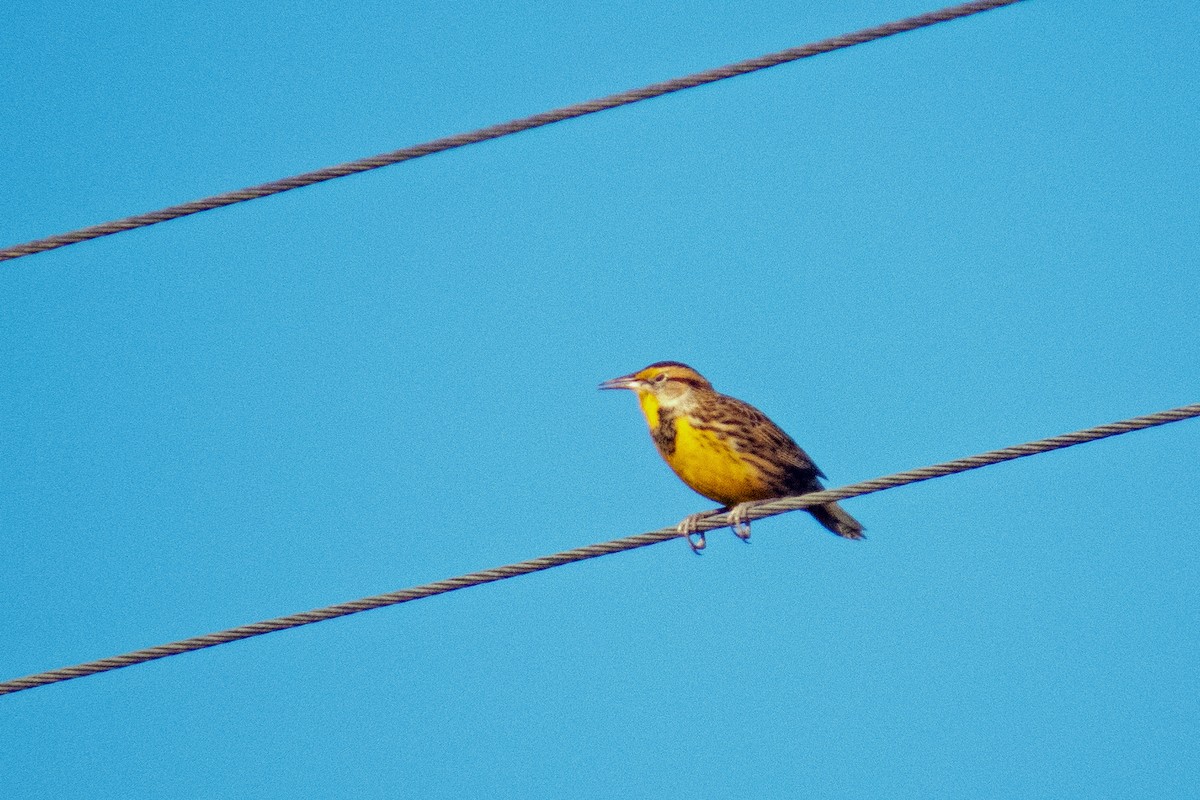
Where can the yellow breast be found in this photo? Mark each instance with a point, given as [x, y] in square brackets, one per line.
[711, 467]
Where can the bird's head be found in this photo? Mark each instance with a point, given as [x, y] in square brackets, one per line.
[668, 382]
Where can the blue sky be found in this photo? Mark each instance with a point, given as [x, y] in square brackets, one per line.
[946, 242]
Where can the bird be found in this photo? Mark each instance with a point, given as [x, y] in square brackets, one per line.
[725, 449]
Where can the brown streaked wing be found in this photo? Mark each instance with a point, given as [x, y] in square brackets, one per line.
[754, 434]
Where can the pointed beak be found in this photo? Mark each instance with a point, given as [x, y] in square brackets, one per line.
[623, 382]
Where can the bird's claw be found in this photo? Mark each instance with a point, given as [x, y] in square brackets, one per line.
[738, 521]
[687, 528]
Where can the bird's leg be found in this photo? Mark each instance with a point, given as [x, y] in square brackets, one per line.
[738, 521]
[688, 529]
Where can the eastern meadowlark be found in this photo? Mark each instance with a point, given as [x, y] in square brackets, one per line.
[725, 449]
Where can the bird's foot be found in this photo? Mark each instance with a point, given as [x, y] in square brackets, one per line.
[687, 528]
[738, 521]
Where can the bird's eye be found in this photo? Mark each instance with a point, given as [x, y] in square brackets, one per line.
[660, 378]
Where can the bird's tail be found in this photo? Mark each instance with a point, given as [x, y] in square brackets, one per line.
[834, 517]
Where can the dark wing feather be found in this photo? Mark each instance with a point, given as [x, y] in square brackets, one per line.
[754, 433]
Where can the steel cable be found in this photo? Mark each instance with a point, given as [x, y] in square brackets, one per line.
[710, 522]
[502, 129]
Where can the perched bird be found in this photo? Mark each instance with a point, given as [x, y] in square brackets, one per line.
[725, 449]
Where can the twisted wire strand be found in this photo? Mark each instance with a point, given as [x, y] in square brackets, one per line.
[710, 522]
[502, 129]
